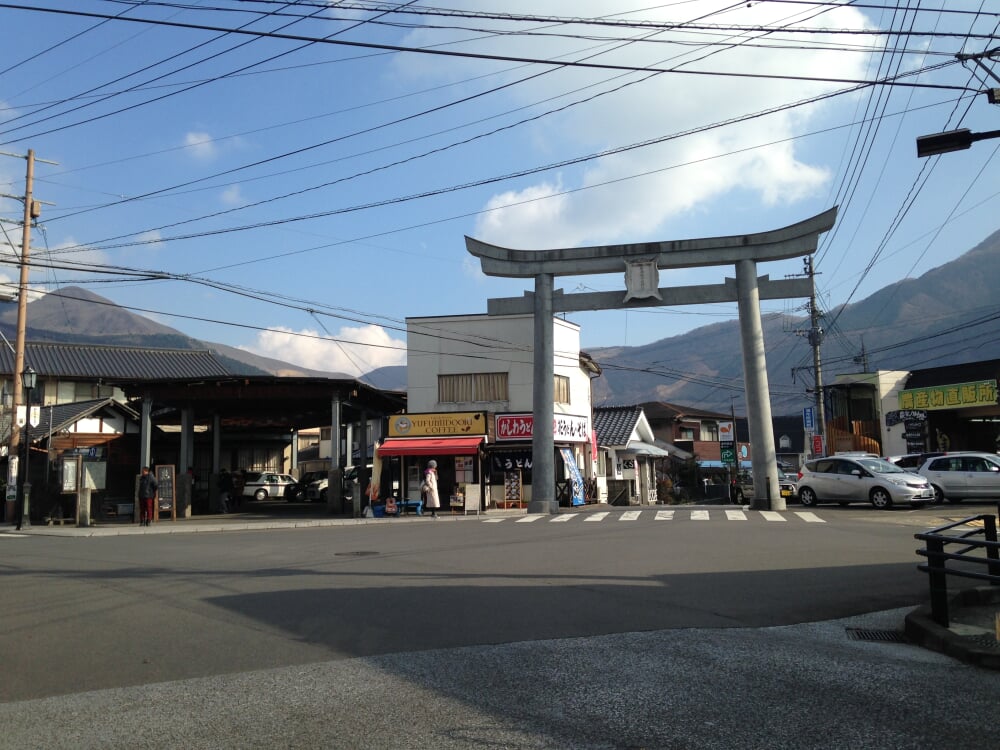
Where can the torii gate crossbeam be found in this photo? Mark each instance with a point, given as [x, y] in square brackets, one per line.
[641, 263]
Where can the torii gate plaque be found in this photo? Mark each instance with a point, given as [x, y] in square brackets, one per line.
[641, 263]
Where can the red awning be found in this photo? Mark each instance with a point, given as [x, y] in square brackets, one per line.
[451, 446]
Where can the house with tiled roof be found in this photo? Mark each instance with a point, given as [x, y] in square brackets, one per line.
[80, 411]
[627, 455]
[690, 429]
[69, 373]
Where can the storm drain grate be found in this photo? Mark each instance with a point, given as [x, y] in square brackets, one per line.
[879, 636]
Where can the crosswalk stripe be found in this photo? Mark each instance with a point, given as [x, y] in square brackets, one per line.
[809, 516]
[732, 514]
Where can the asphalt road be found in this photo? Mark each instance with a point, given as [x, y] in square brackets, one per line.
[466, 632]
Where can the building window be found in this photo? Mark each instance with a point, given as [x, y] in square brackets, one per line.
[90, 391]
[685, 433]
[785, 443]
[710, 431]
[480, 386]
[561, 389]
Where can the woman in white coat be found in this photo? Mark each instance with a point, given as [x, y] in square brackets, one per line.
[431, 499]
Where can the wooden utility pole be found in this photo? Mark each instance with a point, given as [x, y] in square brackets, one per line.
[31, 211]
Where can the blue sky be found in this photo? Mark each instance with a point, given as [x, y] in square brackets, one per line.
[297, 178]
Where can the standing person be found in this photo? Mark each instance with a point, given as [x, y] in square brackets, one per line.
[147, 496]
[225, 489]
[430, 488]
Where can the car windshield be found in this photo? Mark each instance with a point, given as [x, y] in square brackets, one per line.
[878, 466]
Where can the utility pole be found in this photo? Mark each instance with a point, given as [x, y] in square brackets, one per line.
[32, 210]
[815, 339]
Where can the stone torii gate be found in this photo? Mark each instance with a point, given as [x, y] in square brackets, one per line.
[641, 263]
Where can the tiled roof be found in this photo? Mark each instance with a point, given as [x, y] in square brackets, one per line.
[93, 362]
[614, 424]
[657, 411]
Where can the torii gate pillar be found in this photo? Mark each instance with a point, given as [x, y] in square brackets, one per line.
[641, 263]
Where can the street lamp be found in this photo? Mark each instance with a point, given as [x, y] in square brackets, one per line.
[952, 140]
[29, 378]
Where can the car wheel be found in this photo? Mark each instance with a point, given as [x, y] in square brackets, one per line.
[260, 494]
[880, 498]
[938, 494]
[807, 497]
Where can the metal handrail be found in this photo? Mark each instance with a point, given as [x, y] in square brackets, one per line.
[936, 540]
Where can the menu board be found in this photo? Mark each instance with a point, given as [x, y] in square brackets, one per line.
[165, 490]
[512, 488]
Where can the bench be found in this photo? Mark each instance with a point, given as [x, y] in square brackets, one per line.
[405, 506]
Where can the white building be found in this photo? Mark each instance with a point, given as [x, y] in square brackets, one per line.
[484, 364]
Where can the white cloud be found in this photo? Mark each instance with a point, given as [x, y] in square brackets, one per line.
[152, 238]
[683, 177]
[201, 145]
[358, 350]
[7, 112]
[232, 196]
[65, 251]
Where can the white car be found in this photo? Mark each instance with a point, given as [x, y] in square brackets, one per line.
[960, 476]
[846, 479]
[260, 485]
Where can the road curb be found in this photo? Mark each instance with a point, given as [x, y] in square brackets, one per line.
[981, 650]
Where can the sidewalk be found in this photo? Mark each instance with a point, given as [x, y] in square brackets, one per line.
[237, 521]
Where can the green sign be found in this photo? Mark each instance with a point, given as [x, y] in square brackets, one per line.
[728, 451]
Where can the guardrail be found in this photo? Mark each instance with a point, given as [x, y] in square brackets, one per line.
[942, 548]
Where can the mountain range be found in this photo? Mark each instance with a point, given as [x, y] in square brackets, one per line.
[946, 316]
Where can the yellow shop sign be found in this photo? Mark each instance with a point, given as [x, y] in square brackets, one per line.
[956, 396]
[438, 424]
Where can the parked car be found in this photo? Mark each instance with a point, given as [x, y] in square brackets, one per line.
[745, 488]
[261, 485]
[301, 489]
[912, 461]
[847, 479]
[317, 489]
[959, 476]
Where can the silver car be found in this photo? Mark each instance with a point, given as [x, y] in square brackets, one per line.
[844, 479]
[960, 476]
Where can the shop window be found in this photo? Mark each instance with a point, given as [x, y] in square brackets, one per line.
[561, 389]
[481, 386]
[710, 431]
